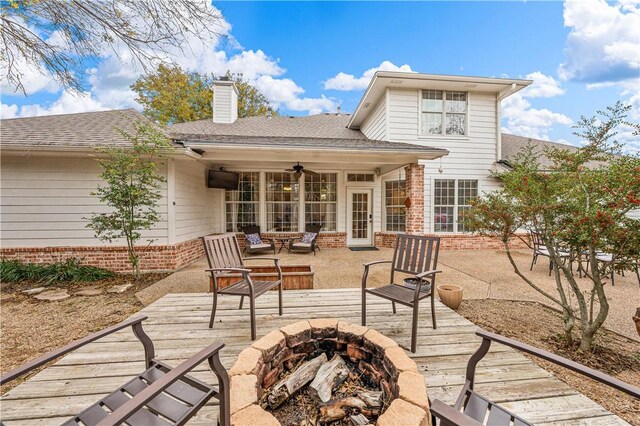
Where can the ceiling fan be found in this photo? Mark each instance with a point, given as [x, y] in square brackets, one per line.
[298, 170]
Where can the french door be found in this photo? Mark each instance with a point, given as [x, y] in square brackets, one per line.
[359, 217]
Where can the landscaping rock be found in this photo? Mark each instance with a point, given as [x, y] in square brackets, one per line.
[411, 388]
[53, 295]
[33, 291]
[119, 288]
[253, 415]
[297, 333]
[271, 344]
[249, 362]
[89, 291]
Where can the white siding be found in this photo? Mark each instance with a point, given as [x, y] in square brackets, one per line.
[375, 125]
[46, 201]
[470, 157]
[197, 208]
[225, 103]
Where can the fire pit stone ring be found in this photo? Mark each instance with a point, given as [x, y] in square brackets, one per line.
[260, 366]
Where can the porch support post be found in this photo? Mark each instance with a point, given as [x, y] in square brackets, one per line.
[414, 182]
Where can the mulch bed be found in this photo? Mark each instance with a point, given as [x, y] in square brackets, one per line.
[31, 327]
[539, 326]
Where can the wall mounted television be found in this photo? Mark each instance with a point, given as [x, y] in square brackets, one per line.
[222, 180]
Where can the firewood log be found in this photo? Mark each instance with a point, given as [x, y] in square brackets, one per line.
[371, 398]
[329, 376]
[286, 387]
[359, 420]
[335, 410]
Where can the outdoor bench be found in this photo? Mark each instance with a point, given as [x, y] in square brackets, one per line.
[159, 396]
[471, 408]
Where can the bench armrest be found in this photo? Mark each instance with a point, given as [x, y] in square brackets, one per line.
[564, 362]
[126, 410]
[50, 356]
[262, 258]
[449, 416]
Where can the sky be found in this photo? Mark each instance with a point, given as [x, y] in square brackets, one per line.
[313, 57]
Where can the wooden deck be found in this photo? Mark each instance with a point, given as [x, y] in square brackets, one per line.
[178, 326]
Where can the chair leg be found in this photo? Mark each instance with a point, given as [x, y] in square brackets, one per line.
[280, 299]
[613, 273]
[393, 307]
[363, 320]
[252, 306]
[213, 309]
[241, 301]
[414, 328]
[550, 266]
[433, 311]
[533, 261]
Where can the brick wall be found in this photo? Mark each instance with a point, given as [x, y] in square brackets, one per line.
[456, 242]
[152, 258]
[414, 181]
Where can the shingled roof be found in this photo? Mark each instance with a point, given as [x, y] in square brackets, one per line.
[82, 130]
[512, 144]
[319, 126]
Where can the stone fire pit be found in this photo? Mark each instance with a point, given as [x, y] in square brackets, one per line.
[260, 366]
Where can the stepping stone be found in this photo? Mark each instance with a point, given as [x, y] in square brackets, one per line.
[33, 291]
[89, 291]
[53, 295]
[119, 288]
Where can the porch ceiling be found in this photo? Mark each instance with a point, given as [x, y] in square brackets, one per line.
[265, 157]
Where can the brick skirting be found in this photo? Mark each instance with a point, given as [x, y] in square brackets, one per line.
[456, 242]
[152, 258]
[175, 256]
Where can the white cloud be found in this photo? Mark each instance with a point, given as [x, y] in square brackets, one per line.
[543, 86]
[109, 81]
[603, 41]
[286, 93]
[348, 82]
[69, 102]
[522, 119]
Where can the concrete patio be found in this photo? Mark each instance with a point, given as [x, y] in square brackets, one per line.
[481, 273]
[178, 326]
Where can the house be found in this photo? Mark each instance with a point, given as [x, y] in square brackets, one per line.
[415, 150]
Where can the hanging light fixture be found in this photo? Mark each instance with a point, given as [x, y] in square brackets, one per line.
[297, 175]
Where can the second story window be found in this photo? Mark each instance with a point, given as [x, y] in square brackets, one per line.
[443, 112]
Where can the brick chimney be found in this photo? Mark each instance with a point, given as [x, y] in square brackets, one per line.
[225, 101]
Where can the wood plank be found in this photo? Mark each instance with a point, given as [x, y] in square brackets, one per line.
[178, 325]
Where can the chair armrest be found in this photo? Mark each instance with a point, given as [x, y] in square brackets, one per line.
[564, 362]
[243, 270]
[427, 273]
[130, 407]
[50, 356]
[366, 265]
[276, 259]
[449, 415]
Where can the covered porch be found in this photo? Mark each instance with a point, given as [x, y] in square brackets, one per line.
[362, 192]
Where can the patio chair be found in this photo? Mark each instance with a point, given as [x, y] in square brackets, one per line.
[540, 249]
[160, 395]
[254, 241]
[471, 408]
[307, 243]
[224, 257]
[614, 262]
[413, 255]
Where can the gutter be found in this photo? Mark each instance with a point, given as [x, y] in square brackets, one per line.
[499, 97]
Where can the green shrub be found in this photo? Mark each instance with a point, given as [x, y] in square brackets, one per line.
[70, 270]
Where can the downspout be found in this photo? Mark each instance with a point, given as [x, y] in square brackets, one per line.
[499, 98]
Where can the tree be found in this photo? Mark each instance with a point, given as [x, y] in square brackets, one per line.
[579, 205]
[131, 189]
[58, 37]
[172, 95]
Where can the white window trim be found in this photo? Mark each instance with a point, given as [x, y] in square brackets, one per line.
[262, 200]
[432, 199]
[383, 196]
[443, 135]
